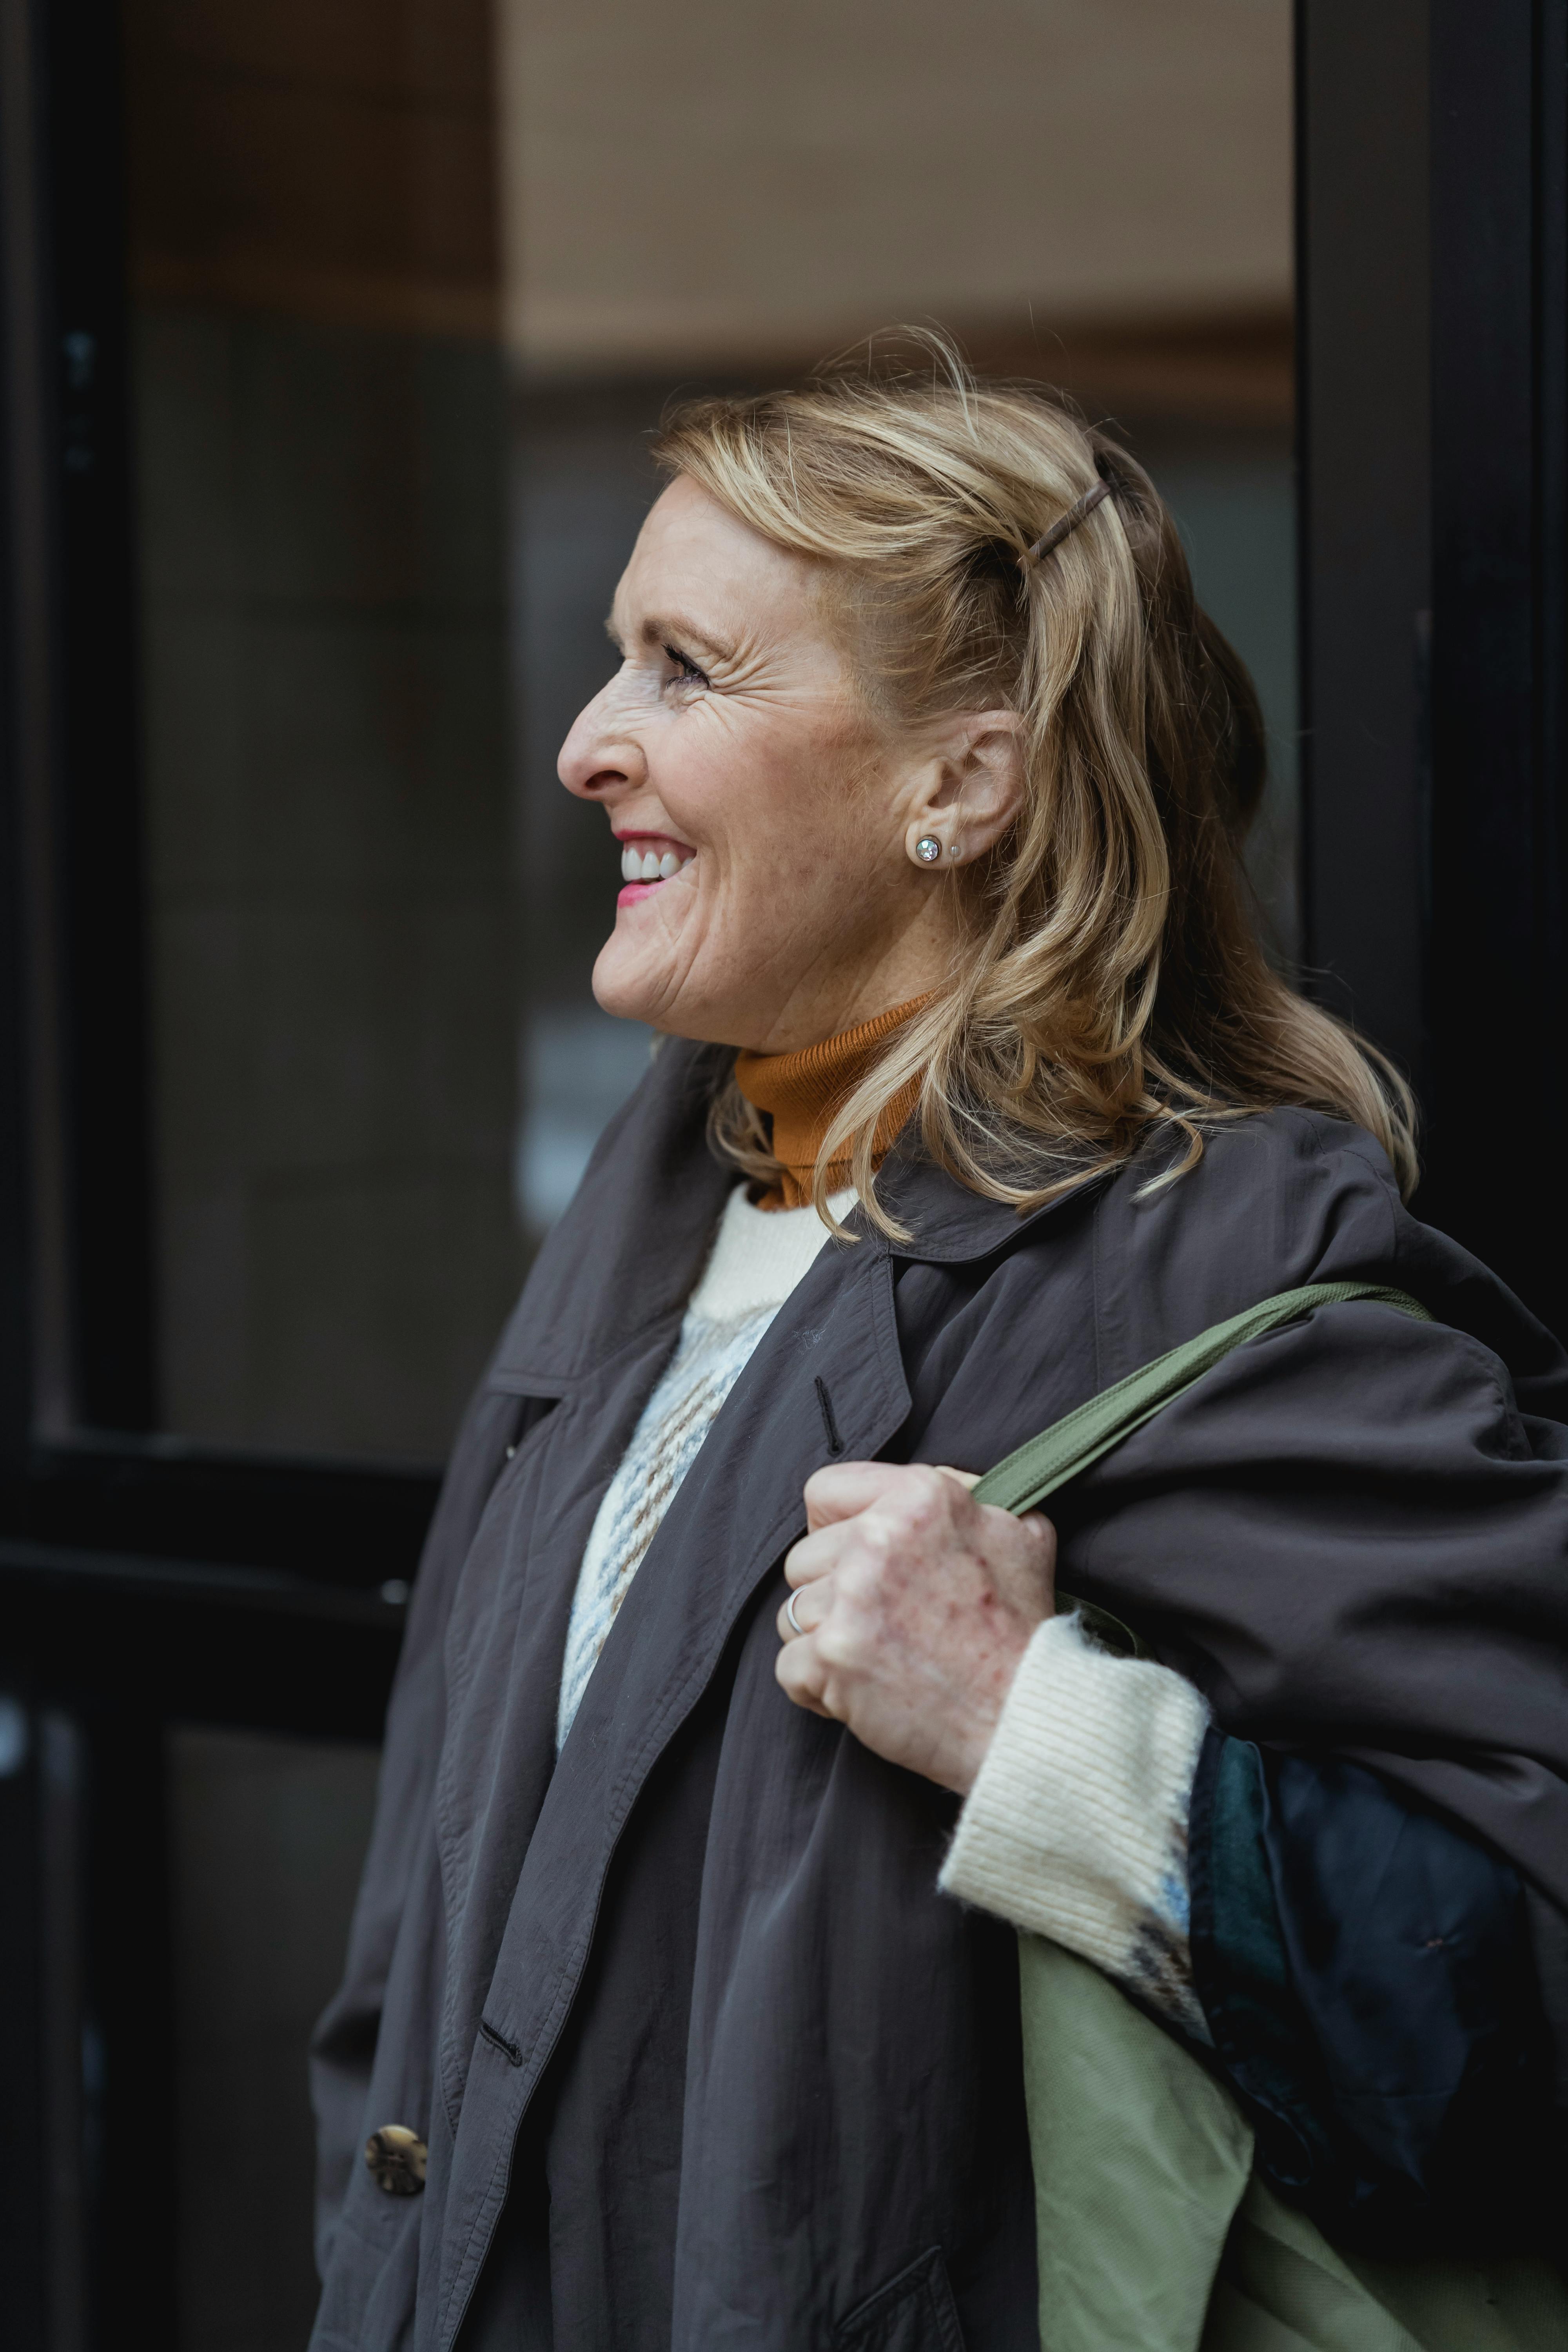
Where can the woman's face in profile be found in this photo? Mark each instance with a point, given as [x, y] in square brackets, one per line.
[760, 807]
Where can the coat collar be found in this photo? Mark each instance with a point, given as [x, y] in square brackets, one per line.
[628, 1250]
[948, 1224]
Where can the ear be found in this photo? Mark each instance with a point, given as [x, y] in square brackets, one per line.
[970, 787]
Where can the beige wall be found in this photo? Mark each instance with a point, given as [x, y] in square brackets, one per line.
[735, 178]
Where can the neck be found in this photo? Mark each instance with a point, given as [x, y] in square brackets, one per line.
[802, 1094]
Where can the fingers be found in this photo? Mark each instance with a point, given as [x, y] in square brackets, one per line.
[815, 1556]
[804, 1612]
[798, 1672]
[844, 1489]
[909, 1507]
[855, 1502]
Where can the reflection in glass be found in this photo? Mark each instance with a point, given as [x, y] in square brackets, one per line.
[320, 417]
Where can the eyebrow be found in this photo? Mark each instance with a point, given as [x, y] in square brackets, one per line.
[660, 628]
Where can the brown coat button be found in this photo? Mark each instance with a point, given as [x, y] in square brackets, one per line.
[396, 2158]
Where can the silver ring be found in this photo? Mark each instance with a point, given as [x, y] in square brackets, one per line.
[789, 1613]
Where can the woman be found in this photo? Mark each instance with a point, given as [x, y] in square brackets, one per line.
[927, 777]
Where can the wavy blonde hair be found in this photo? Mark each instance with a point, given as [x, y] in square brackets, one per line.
[1109, 983]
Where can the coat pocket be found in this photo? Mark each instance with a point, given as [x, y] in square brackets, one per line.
[914, 2312]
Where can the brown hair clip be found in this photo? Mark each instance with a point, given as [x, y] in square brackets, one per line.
[1064, 525]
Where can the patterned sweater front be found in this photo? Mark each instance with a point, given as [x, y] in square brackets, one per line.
[756, 1259]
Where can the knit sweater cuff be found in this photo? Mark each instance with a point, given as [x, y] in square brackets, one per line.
[1077, 1825]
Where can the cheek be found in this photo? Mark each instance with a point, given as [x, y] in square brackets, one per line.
[800, 800]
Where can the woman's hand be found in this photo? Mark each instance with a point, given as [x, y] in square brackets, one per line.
[915, 1605]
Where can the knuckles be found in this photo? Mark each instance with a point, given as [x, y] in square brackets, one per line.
[926, 1500]
[924, 1507]
[839, 1644]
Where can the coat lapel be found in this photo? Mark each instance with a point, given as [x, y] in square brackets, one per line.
[738, 1510]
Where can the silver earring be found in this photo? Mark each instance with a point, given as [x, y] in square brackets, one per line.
[953, 850]
[928, 849]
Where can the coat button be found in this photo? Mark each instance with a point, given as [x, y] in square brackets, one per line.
[396, 2158]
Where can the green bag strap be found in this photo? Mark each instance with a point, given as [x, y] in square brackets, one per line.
[1046, 1462]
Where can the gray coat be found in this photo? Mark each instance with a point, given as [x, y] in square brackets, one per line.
[702, 2058]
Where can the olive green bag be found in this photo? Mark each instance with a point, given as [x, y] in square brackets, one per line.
[1154, 2233]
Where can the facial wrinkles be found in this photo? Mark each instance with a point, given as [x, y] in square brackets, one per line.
[759, 671]
[783, 947]
[769, 770]
[741, 930]
[776, 971]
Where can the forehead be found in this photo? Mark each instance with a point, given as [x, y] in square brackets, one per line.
[693, 556]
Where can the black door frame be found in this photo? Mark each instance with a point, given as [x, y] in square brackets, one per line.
[1433, 438]
[142, 1580]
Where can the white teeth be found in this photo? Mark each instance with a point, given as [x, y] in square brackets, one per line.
[647, 865]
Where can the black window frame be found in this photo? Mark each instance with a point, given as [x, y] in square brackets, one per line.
[143, 1580]
[93, 1494]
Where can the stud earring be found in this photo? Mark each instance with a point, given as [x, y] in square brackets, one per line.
[953, 850]
[928, 849]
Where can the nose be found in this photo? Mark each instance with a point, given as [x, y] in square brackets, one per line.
[599, 760]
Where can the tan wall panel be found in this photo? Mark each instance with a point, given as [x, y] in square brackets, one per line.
[778, 175]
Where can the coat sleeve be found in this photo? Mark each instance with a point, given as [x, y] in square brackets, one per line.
[1352, 1537]
[342, 2049]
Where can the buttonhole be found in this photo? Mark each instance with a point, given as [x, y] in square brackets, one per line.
[835, 1443]
[509, 2049]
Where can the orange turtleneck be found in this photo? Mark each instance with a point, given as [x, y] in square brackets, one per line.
[801, 1093]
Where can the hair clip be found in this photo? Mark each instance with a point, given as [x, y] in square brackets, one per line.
[1079, 511]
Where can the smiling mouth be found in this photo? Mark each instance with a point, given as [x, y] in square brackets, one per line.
[651, 865]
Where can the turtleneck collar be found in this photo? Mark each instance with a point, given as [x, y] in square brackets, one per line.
[802, 1092]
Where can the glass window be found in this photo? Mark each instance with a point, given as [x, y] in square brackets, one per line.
[320, 446]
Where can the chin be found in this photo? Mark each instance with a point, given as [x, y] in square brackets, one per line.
[624, 1002]
[622, 989]
[632, 996]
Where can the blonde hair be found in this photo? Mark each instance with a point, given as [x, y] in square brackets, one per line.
[1109, 983]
